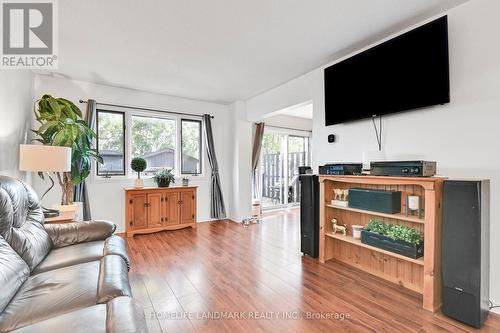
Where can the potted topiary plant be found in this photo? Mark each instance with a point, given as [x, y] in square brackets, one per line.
[395, 238]
[138, 164]
[164, 178]
[61, 124]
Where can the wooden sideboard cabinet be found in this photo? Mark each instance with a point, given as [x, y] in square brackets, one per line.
[153, 209]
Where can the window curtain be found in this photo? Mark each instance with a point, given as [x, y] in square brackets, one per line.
[217, 207]
[256, 148]
[80, 193]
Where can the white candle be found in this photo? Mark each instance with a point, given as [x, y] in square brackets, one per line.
[413, 202]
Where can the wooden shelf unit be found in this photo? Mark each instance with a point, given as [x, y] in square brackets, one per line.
[422, 275]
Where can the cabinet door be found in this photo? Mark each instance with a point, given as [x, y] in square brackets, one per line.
[188, 207]
[155, 203]
[171, 208]
[138, 211]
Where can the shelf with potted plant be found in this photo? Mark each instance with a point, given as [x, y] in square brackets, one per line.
[420, 274]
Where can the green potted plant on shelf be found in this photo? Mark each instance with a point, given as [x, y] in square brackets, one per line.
[138, 164]
[61, 124]
[396, 238]
[164, 177]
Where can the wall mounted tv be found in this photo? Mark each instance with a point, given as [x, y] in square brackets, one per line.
[407, 72]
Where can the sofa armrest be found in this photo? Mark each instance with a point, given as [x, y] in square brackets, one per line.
[64, 234]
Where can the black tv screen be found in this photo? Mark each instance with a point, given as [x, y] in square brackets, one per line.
[407, 72]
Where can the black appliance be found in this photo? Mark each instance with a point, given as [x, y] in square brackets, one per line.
[388, 202]
[407, 72]
[304, 170]
[403, 168]
[309, 215]
[341, 169]
[465, 250]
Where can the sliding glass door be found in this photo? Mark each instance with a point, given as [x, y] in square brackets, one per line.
[298, 155]
[281, 155]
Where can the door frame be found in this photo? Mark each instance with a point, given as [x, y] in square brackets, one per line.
[284, 152]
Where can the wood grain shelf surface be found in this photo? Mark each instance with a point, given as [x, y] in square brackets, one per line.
[399, 216]
[349, 239]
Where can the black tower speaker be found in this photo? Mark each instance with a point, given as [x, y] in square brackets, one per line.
[309, 215]
[466, 246]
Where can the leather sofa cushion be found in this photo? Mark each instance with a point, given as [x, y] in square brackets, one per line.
[65, 234]
[116, 245]
[122, 315]
[50, 294]
[21, 221]
[83, 252]
[113, 279]
[71, 255]
[125, 315]
[13, 273]
[91, 319]
[53, 293]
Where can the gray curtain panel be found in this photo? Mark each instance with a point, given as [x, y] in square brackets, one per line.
[257, 145]
[217, 207]
[80, 192]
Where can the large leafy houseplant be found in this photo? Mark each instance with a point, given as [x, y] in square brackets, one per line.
[61, 124]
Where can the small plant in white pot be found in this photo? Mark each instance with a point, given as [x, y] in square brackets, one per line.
[138, 164]
[164, 177]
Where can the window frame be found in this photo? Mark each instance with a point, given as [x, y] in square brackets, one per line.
[128, 114]
[200, 147]
[144, 114]
[124, 142]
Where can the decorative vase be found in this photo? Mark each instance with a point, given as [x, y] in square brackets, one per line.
[138, 183]
[185, 182]
[163, 182]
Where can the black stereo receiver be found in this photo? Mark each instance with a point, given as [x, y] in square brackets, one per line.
[403, 168]
[341, 169]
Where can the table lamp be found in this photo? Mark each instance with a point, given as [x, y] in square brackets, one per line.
[42, 158]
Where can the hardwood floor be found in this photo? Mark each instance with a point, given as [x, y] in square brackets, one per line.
[257, 278]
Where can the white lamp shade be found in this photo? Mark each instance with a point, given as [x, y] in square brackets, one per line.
[42, 158]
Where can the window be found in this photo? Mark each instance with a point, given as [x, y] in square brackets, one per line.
[154, 139]
[191, 158]
[111, 142]
[165, 141]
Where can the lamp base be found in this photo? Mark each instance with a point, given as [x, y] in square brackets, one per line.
[47, 212]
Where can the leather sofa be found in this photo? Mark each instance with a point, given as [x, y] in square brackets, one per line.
[61, 277]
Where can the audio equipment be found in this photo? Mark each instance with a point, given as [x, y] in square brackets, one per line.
[403, 168]
[341, 169]
[388, 202]
[304, 170]
[309, 215]
[465, 250]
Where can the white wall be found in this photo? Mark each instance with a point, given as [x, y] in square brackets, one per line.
[107, 196]
[463, 136]
[290, 122]
[15, 108]
[241, 147]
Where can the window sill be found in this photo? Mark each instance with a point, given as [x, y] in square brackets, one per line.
[147, 180]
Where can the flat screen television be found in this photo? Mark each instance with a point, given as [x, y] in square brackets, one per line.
[407, 72]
